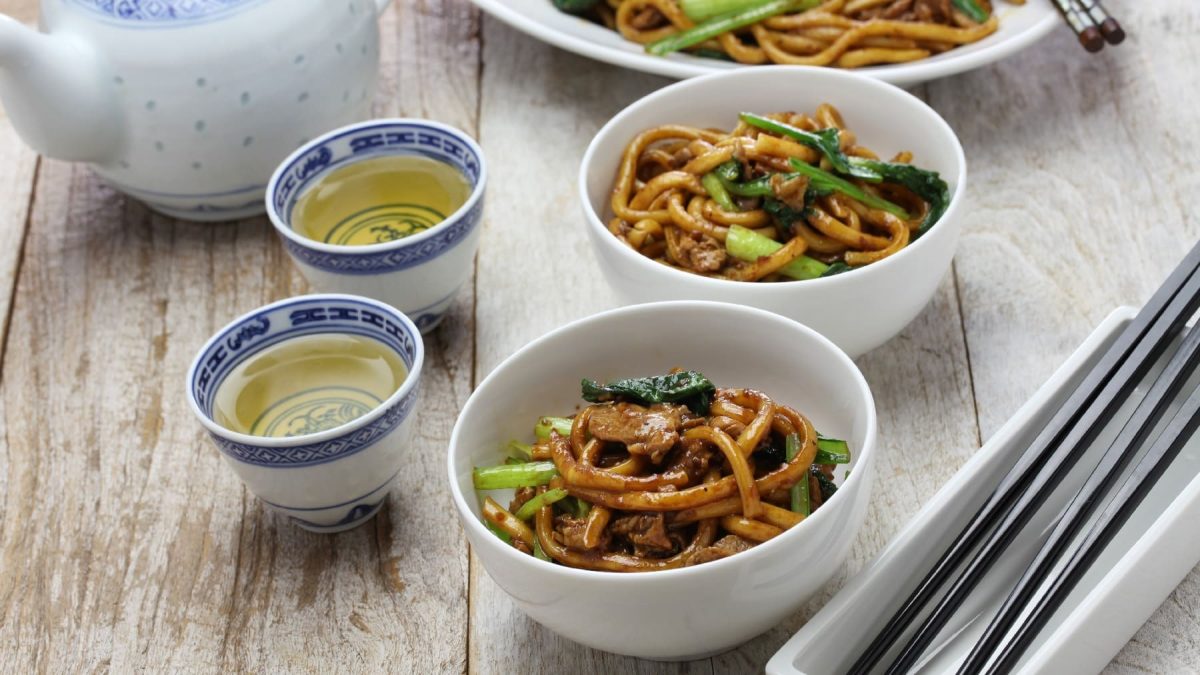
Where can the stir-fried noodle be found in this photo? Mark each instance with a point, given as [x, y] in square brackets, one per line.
[780, 197]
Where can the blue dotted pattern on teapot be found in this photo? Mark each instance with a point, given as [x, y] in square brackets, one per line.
[158, 12]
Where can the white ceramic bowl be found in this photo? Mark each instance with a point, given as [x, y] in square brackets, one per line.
[858, 310]
[693, 611]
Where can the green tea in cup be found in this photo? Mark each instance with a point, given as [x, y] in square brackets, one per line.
[379, 200]
[308, 384]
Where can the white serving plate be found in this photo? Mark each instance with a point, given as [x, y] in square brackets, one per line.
[1020, 26]
[1147, 559]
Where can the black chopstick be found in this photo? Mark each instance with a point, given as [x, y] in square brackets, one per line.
[1109, 28]
[1120, 452]
[1122, 505]
[1078, 19]
[1010, 488]
[1055, 467]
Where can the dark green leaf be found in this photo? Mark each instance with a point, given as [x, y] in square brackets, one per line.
[972, 9]
[688, 387]
[825, 141]
[575, 6]
[837, 268]
[927, 185]
[706, 53]
[828, 487]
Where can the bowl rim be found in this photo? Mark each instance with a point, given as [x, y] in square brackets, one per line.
[681, 89]
[409, 385]
[474, 526]
[285, 230]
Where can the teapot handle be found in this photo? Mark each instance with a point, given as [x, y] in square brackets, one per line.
[381, 5]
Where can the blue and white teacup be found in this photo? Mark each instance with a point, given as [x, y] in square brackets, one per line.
[331, 480]
[419, 274]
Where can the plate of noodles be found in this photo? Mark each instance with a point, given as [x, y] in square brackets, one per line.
[904, 42]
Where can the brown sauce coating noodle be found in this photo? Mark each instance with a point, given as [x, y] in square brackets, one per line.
[704, 487]
[662, 209]
[838, 33]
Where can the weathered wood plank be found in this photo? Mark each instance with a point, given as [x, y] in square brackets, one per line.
[25, 11]
[1081, 168]
[126, 542]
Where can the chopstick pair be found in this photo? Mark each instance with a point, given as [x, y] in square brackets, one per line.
[1055, 450]
[998, 650]
[1091, 22]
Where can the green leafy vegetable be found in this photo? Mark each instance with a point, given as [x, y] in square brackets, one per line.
[759, 187]
[547, 424]
[706, 53]
[824, 180]
[825, 141]
[800, 502]
[746, 244]
[699, 10]
[504, 536]
[927, 185]
[832, 451]
[574, 6]
[972, 9]
[716, 189]
[519, 450]
[730, 171]
[579, 507]
[530, 474]
[784, 215]
[530, 508]
[837, 268]
[687, 387]
[828, 487]
[723, 23]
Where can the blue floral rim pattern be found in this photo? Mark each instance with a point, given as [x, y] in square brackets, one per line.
[361, 143]
[156, 13]
[303, 316]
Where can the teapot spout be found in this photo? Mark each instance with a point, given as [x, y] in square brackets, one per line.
[57, 95]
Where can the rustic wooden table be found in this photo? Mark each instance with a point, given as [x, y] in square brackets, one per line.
[127, 544]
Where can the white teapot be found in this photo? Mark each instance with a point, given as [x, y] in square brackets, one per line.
[188, 105]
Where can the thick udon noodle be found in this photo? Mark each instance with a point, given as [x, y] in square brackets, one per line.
[661, 209]
[713, 493]
[841, 33]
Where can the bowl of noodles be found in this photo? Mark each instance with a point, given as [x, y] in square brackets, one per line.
[822, 195]
[669, 495]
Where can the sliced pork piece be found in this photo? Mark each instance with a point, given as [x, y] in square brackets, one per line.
[649, 431]
[646, 532]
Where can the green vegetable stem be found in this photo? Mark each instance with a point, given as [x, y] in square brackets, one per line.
[547, 424]
[530, 508]
[530, 474]
[823, 180]
[825, 141]
[723, 23]
[746, 244]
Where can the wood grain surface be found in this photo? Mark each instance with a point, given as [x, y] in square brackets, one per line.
[127, 545]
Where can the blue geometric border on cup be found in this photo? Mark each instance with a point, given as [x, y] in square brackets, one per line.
[314, 161]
